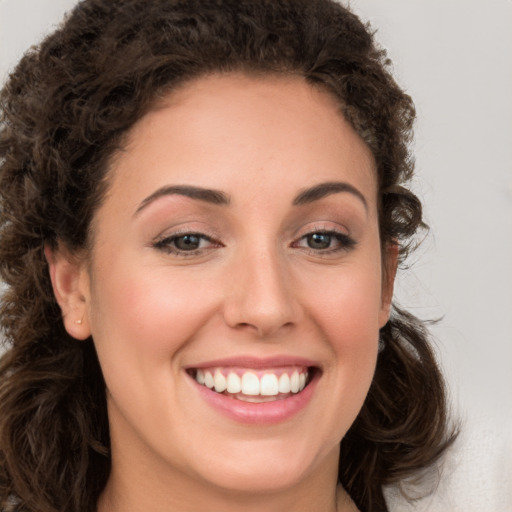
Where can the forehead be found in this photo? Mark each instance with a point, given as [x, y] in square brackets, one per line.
[222, 130]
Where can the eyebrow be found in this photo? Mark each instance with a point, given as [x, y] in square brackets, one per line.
[202, 194]
[325, 189]
[218, 197]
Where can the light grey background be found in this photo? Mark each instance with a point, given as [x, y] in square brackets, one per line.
[455, 58]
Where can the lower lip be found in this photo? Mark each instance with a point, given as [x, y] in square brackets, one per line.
[265, 413]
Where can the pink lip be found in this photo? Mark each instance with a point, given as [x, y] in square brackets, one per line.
[255, 363]
[265, 413]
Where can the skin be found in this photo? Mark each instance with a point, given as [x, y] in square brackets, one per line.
[255, 287]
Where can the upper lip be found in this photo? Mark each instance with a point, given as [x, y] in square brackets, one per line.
[256, 362]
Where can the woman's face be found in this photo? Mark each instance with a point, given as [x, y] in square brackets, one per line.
[237, 247]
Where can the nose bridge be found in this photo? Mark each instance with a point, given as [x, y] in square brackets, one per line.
[262, 296]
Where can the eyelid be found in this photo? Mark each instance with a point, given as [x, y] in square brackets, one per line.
[321, 227]
[187, 228]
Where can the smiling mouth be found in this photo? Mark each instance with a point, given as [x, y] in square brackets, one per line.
[254, 386]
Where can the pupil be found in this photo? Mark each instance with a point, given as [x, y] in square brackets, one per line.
[187, 242]
[319, 241]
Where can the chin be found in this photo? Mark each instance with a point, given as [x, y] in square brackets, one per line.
[257, 480]
[264, 467]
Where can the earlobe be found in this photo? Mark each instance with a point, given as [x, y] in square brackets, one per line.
[390, 264]
[70, 284]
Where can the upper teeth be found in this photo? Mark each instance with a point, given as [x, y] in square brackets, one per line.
[266, 383]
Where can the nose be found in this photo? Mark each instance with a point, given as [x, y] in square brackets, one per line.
[261, 296]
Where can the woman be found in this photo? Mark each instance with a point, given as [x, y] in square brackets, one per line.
[203, 211]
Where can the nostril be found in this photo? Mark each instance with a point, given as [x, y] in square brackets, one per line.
[261, 297]
[264, 329]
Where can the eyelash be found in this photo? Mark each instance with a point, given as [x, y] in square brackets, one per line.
[344, 242]
[167, 244]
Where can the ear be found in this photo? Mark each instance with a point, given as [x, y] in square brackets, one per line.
[70, 282]
[390, 264]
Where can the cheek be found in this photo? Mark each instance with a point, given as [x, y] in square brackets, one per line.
[140, 316]
[348, 308]
[347, 313]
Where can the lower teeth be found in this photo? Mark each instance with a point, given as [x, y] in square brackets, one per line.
[257, 398]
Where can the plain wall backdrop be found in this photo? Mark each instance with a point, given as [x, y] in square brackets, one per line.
[455, 59]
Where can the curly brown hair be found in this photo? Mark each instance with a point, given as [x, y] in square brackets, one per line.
[64, 111]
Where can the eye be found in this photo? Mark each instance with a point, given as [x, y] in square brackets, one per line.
[185, 243]
[319, 240]
[325, 242]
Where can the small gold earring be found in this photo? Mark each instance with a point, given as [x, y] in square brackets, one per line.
[80, 321]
